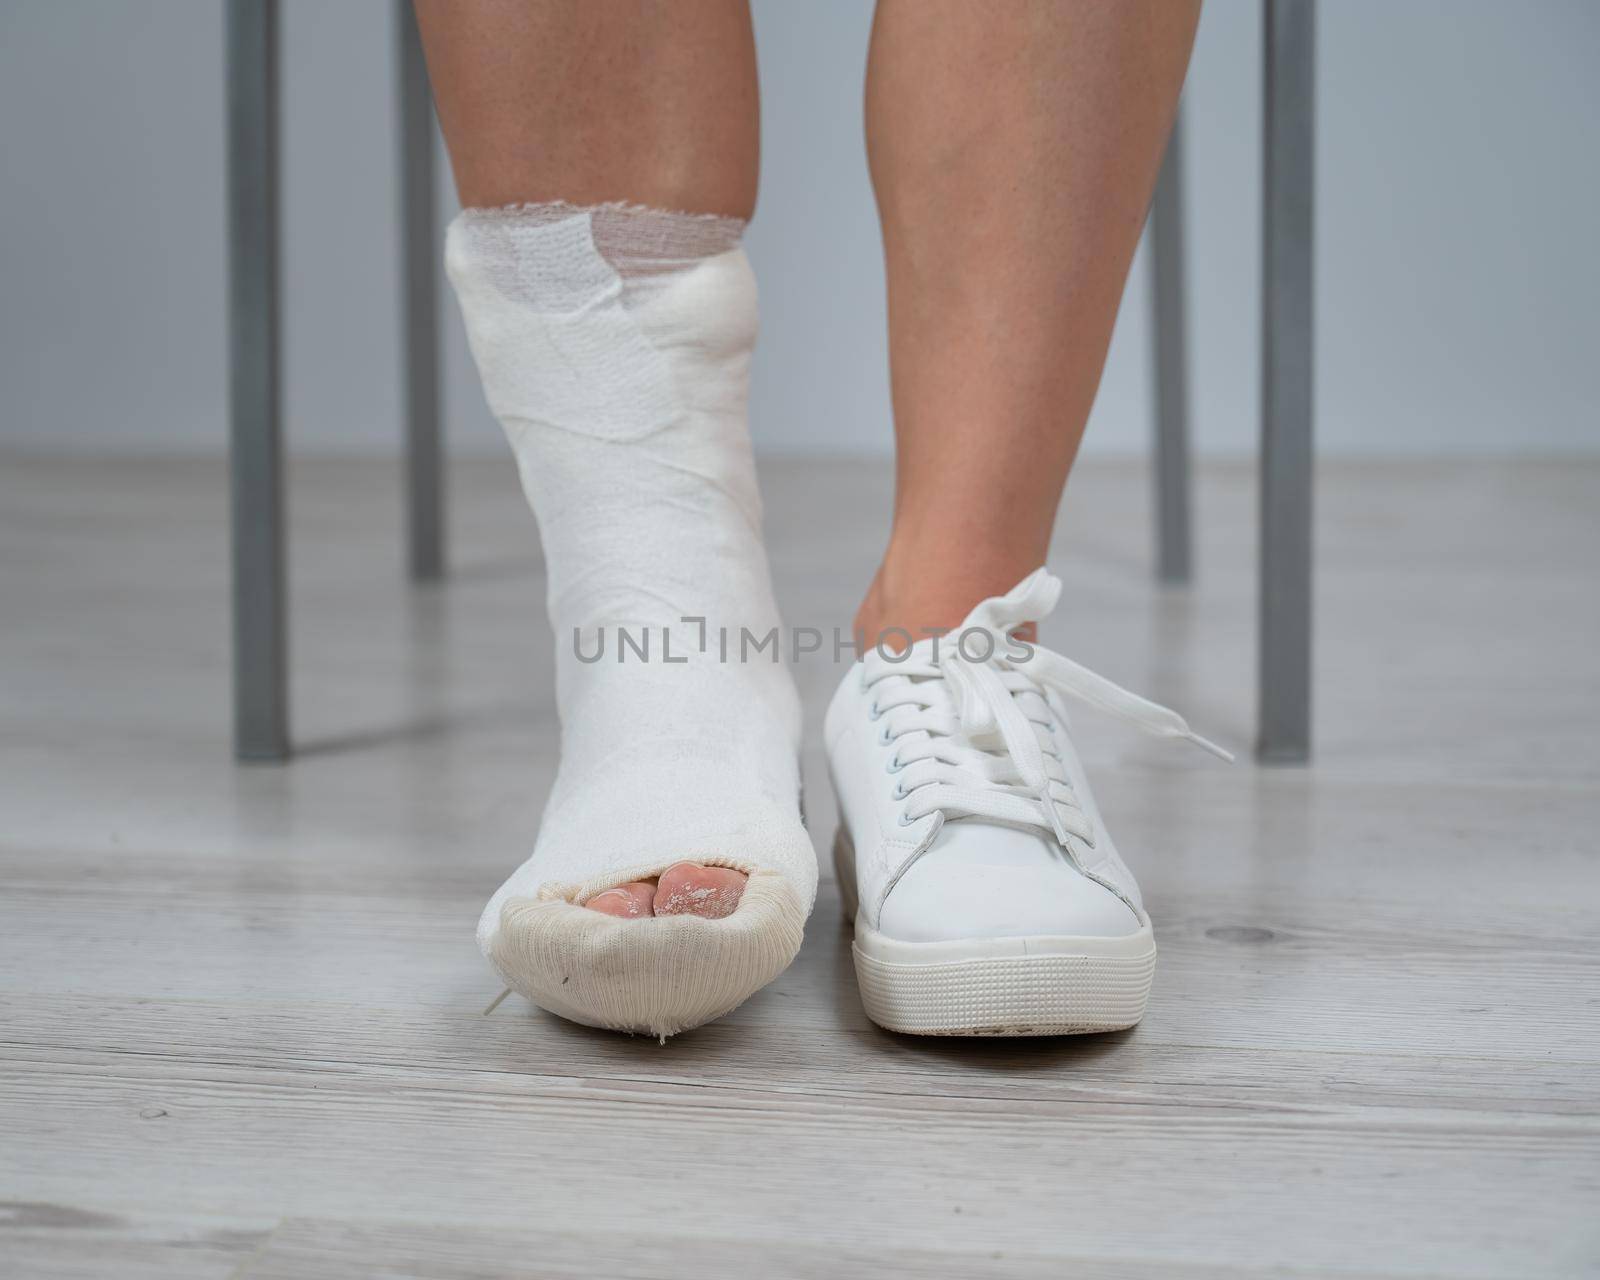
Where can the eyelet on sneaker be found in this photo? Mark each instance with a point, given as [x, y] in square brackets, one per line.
[905, 820]
[899, 792]
[884, 739]
[873, 712]
[894, 765]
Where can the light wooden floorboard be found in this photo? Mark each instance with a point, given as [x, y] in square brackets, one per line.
[240, 1008]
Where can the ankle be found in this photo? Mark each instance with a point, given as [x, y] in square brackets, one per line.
[922, 589]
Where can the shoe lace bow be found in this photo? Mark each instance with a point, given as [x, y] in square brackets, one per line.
[972, 724]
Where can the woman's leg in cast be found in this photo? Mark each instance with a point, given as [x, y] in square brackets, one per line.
[606, 157]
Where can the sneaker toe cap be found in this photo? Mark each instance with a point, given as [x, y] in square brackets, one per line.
[954, 892]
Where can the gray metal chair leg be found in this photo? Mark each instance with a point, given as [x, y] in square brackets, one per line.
[1167, 294]
[260, 634]
[1284, 731]
[419, 307]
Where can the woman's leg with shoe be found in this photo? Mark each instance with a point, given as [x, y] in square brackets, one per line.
[1013, 146]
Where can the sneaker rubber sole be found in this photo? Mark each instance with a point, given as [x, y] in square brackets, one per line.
[1018, 986]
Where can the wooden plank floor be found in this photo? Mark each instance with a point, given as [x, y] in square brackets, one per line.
[240, 1008]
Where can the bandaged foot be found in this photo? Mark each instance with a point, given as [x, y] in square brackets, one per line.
[672, 876]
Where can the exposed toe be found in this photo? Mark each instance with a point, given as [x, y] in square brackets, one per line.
[688, 888]
[629, 901]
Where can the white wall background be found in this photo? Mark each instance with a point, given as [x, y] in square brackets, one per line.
[1458, 268]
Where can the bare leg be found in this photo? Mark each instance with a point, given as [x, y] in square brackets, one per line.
[569, 100]
[655, 104]
[1014, 147]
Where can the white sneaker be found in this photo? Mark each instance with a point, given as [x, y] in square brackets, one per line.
[987, 896]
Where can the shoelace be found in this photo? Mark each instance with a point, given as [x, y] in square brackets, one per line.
[975, 726]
